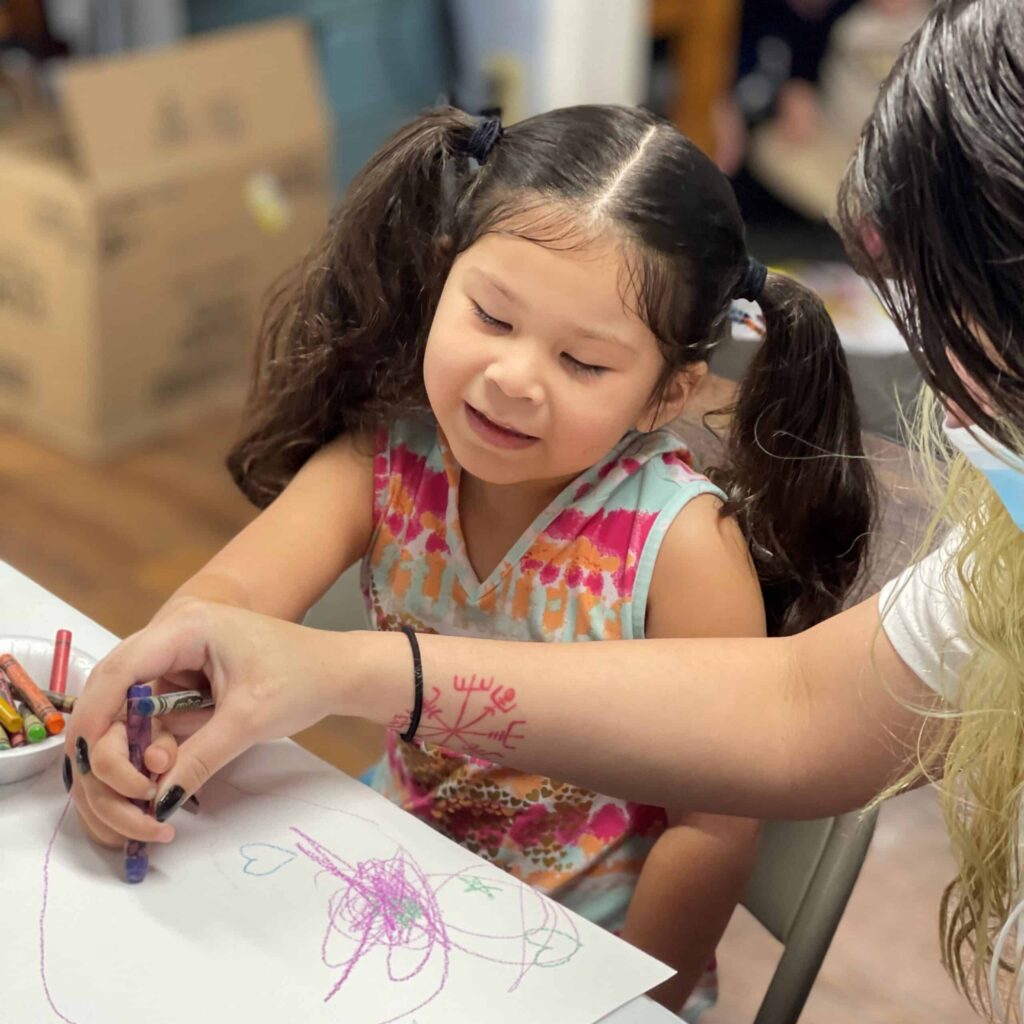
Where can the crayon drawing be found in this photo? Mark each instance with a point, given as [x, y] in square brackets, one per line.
[297, 894]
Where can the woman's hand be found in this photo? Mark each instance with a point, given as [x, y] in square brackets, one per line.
[268, 678]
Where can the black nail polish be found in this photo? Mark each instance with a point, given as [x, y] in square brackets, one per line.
[169, 803]
[82, 756]
[66, 773]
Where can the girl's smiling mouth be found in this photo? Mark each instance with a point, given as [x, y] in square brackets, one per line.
[495, 433]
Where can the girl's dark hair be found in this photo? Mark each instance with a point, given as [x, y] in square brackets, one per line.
[932, 204]
[341, 349]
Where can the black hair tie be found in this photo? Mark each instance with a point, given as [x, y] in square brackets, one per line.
[484, 138]
[752, 283]
[417, 688]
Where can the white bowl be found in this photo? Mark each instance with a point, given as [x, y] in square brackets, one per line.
[35, 655]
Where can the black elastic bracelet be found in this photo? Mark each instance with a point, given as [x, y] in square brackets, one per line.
[417, 682]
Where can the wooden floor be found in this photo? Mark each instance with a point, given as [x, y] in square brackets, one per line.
[115, 540]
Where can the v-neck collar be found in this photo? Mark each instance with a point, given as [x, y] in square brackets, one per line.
[475, 587]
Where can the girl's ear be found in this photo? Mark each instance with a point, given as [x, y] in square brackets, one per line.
[679, 391]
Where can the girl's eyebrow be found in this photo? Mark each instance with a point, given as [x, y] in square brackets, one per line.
[591, 333]
[496, 284]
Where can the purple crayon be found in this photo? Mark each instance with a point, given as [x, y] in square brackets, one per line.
[140, 735]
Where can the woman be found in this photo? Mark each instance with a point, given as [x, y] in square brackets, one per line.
[923, 681]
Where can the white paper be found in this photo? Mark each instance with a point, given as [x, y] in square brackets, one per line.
[296, 895]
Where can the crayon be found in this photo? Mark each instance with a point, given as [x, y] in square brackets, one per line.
[34, 729]
[9, 717]
[184, 700]
[5, 740]
[32, 695]
[5, 688]
[61, 654]
[61, 701]
[17, 737]
[140, 735]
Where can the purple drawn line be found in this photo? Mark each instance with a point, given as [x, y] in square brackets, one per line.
[42, 913]
[392, 903]
[378, 906]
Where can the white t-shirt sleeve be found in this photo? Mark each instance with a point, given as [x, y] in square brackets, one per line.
[921, 614]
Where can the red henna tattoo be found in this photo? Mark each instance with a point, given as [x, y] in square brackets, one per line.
[476, 720]
[400, 722]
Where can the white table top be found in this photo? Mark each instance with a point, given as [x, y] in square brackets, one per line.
[27, 609]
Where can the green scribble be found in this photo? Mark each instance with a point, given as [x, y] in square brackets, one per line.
[560, 946]
[408, 911]
[479, 885]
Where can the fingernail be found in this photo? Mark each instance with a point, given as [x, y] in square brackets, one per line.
[66, 773]
[169, 803]
[82, 755]
[192, 805]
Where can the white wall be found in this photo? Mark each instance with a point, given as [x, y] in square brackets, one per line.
[565, 51]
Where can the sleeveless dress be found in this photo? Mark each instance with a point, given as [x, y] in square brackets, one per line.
[580, 572]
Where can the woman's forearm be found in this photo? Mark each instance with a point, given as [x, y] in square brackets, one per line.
[795, 727]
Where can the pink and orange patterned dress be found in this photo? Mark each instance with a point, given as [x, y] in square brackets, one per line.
[580, 572]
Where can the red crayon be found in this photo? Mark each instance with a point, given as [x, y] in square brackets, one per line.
[61, 654]
[32, 695]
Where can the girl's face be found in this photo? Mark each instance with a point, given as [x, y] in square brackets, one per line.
[534, 366]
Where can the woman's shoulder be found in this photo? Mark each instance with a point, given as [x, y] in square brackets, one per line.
[922, 615]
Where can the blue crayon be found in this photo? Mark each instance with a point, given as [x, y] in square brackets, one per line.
[140, 735]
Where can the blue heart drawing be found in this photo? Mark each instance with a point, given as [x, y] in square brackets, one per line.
[265, 860]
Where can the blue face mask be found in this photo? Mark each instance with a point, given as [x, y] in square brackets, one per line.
[1003, 468]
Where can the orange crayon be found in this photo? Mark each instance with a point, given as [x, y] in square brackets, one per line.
[61, 654]
[32, 695]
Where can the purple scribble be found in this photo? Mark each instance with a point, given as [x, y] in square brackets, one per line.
[381, 903]
[42, 912]
[392, 904]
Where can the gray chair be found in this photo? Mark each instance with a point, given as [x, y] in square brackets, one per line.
[342, 607]
[803, 877]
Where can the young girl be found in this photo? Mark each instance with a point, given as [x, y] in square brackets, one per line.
[467, 387]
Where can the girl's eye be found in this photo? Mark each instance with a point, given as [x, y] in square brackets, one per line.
[486, 317]
[583, 369]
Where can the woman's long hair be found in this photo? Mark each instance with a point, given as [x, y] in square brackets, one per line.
[932, 211]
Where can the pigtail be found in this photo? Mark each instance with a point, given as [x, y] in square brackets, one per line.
[340, 345]
[797, 478]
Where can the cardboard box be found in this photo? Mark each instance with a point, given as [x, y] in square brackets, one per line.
[141, 226]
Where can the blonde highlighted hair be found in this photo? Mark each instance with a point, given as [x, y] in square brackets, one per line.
[973, 752]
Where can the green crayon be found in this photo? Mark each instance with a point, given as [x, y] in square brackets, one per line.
[5, 743]
[34, 728]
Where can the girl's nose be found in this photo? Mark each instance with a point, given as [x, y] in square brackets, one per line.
[517, 376]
